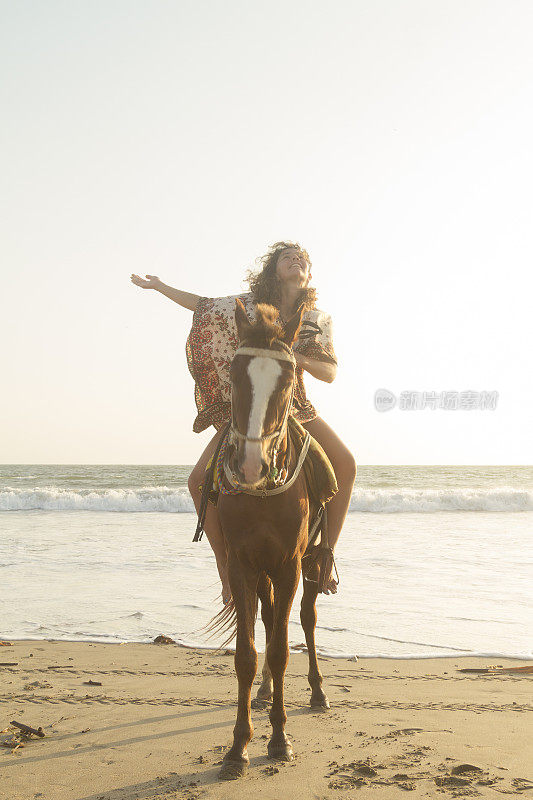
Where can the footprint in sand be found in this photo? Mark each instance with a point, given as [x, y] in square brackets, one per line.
[403, 732]
[461, 769]
[522, 784]
[451, 781]
[37, 685]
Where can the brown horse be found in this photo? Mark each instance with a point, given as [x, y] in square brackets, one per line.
[266, 536]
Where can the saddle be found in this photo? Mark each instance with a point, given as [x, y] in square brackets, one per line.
[321, 486]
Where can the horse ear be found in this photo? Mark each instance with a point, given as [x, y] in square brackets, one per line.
[241, 320]
[292, 326]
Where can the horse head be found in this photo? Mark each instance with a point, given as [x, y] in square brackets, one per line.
[262, 385]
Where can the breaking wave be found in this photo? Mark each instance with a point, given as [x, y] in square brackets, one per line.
[178, 500]
[149, 498]
[504, 498]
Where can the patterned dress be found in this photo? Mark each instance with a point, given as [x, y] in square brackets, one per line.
[211, 346]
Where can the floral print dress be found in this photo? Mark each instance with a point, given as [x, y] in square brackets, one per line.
[211, 346]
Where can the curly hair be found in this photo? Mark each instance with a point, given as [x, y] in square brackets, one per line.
[264, 282]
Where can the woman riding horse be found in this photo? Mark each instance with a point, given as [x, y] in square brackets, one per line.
[283, 282]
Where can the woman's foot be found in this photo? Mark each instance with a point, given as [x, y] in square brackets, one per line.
[331, 586]
[322, 560]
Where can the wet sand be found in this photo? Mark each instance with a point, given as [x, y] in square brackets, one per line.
[161, 720]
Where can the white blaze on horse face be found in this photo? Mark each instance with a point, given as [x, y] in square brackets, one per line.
[264, 375]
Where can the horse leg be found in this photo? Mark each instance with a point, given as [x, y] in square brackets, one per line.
[279, 745]
[264, 590]
[243, 584]
[308, 620]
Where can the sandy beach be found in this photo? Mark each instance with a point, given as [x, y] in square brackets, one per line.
[162, 718]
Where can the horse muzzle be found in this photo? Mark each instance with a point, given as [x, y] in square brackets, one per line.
[251, 472]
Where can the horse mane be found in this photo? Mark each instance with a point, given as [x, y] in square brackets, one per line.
[266, 328]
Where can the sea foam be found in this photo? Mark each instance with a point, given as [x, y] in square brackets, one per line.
[178, 500]
[148, 498]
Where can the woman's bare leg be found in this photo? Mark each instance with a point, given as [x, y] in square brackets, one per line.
[212, 527]
[345, 470]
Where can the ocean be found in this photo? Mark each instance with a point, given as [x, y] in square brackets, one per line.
[433, 561]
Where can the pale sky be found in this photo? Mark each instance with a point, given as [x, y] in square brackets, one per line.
[391, 139]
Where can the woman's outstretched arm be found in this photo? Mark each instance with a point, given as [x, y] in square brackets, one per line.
[185, 299]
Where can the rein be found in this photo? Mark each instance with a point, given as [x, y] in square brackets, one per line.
[230, 477]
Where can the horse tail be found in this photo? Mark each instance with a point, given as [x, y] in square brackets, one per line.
[226, 622]
[223, 622]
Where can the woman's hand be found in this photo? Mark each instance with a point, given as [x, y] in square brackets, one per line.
[185, 299]
[152, 281]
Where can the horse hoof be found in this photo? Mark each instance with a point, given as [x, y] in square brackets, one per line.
[231, 770]
[281, 752]
[320, 702]
[258, 702]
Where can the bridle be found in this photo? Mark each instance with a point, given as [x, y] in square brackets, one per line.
[281, 479]
[285, 354]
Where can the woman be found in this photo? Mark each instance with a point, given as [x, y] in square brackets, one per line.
[283, 281]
